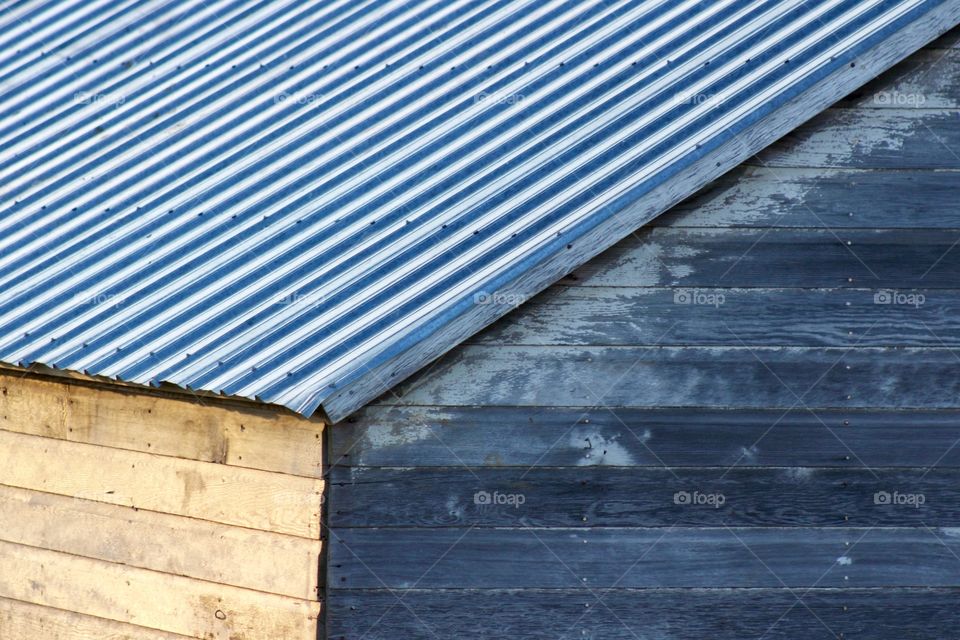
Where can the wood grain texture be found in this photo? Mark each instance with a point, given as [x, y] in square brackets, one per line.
[640, 316]
[596, 558]
[624, 614]
[556, 437]
[260, 438]
[24, 621]
[901, 138]
[208, 491]
[929, 79]
[759, 197]
[776, 258]
[151, 599]
[248, 558]
[647, 497]
[740, 377]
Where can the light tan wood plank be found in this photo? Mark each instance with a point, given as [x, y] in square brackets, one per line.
[25, 621]
[265, 437]
[271, 562]
[204, 490]
[151, 599]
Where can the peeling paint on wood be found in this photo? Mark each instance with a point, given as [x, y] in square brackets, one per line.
[741, 377]
[527, 437]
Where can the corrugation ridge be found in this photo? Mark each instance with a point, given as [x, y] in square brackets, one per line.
[393, 244]
[91, 68]
[241, 100]
[307, 398]
[540, 222]
[22, 28]
[222, 72]
[52, 45]
[385, 265]
[225, 146]
[82, 152]
[305, 22]
[14, 13]
[42, 86]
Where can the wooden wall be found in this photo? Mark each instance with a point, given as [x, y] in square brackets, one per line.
[127, 515]
[799, 399]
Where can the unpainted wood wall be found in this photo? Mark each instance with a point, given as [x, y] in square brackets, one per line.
[799, 397]
[132, 516]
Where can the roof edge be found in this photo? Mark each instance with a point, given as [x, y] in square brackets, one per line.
[857, 69]
[164, 390]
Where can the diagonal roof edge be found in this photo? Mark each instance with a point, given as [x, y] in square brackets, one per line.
[218, 236]
[856, 68]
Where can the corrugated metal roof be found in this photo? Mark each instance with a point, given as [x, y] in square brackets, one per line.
[302, 201]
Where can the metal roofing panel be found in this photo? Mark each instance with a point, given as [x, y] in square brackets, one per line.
[301, 202]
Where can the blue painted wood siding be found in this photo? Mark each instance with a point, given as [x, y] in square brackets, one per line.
[740, 422]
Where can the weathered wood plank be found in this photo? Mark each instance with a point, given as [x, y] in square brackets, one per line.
[870, 139]
[599, 558]
[735, 377]
[204, 490]
[194, 548]
[776, 258]
[929, 79]
[636, 316]
[624, 614]
[540, 436]
[822, 198]
[24, 621]
[151, 599]
[260, 438]
[645, 497]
